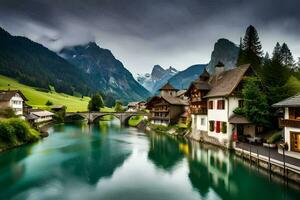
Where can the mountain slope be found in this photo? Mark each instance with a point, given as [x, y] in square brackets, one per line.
[224, 51]
[158, 77]
[183, 79]
[35, 65]
[104, 71]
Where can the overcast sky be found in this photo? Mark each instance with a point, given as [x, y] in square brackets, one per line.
[142, 33]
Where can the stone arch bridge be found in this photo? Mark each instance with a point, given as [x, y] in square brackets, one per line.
[93, 117]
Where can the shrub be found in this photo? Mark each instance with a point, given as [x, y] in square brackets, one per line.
[49, 103]
[7, 133]
[16, 130]
[274, 138]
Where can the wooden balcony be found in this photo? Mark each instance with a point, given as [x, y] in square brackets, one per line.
[199, 111]
[289, 123]
[196, 99]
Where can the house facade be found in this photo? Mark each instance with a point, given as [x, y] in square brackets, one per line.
[13, 99]
[166, 108]
[291, 124]
[213, 100]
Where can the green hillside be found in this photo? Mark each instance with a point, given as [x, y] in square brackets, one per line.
[38, 98]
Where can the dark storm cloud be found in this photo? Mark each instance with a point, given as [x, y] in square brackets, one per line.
[142, 33]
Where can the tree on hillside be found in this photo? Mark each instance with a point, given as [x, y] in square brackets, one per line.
[286, 56]
[274, 76]
[251, 49]
[119, 106]
[276, 56]
[256, 107]
[96, 103]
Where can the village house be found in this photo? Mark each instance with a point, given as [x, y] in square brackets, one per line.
[167, 108]
[40, 116]
[212, 102]
[12, 99]
[291, 124]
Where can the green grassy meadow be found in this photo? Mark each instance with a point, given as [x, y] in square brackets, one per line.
[38, 98]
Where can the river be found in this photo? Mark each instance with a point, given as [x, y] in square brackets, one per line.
[107, 162]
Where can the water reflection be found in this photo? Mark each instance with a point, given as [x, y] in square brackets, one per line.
[164, 151]
[111, 162]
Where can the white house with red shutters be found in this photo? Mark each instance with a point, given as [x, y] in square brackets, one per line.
[212, 102]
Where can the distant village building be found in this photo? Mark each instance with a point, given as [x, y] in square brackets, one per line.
[41, 116]
[167, 108]
[14, 99]
[136, 106]
[212, 102]
[291, 123]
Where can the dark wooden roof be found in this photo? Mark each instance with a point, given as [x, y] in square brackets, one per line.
[6, 95]
[168, 86]
[224, 84]
[167, 98]
[293, 101]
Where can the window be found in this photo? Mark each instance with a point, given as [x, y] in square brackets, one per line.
[210, 105]
[211, 125]
[202, 121]
[221, 105]
[295, 141]
[218, 126]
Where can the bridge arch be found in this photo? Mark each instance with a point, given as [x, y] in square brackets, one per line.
[98, 117]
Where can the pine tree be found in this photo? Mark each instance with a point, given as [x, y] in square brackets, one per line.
[250, 49]
[286, 56]
[277, 53]
[251, 41]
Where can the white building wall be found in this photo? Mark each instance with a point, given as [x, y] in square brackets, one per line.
[16, 103]
[231, 104]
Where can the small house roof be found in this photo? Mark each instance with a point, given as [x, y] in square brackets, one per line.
[43, 113]
[167, 86]
[31, 117]
[238, 119]
[224, 84]
[293, 101]
[6, 95]
[133, 104]
[180, 93]
[57, 107]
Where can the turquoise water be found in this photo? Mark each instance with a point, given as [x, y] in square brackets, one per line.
[108, 162]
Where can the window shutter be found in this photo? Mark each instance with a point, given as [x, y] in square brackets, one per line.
[218, 126]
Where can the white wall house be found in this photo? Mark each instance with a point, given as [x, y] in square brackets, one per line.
[291, 124]
[13, 99]
[212, 112]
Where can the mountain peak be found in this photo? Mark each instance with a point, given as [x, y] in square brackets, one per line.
[224, 51]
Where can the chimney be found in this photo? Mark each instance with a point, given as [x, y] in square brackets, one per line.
[219, 68]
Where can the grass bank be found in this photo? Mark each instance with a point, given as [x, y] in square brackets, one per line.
[38, 98]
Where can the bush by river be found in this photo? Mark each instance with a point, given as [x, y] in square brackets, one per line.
[15, 132]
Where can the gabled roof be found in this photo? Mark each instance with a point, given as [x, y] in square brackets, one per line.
[293, 101]
[224, 84]
[167, 86]
[180, 93]
[6, 95]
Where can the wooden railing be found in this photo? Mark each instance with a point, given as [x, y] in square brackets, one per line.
[289, 123]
